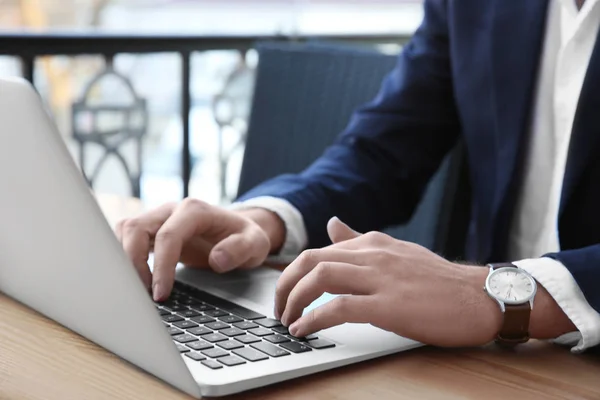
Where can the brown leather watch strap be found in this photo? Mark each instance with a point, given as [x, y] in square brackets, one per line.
[515, 329]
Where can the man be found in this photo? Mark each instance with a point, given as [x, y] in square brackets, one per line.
[518, 82]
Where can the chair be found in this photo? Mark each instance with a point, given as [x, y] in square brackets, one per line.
[304, 96]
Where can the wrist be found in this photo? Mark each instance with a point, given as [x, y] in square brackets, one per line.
[485, 314]
[271, 224]
[548, 320]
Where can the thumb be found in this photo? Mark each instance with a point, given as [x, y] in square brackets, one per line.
[339, 231]
[229, 253]
[242, 249]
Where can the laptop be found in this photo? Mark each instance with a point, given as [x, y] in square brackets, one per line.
[214, 336]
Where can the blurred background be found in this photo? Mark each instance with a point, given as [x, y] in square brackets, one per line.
[121, 113]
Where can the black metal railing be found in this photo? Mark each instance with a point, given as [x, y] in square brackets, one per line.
[29, 46]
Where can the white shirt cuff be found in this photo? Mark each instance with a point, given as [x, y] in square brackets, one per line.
[296, 237]
[561, 285]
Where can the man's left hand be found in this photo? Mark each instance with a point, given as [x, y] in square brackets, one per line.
[395, 285]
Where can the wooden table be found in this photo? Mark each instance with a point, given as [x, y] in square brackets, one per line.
[42, 360]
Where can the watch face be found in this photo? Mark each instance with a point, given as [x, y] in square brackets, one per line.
[511, 285]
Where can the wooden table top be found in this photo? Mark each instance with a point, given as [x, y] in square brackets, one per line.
[42, 360]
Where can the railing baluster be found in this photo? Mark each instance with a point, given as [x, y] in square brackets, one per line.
[185, 122]
[27, 67]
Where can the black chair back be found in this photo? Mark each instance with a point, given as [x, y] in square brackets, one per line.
[304, 96]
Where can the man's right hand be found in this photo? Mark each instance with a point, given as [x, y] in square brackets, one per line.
[198, 235]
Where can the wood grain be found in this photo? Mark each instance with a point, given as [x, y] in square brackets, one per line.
[42, 360]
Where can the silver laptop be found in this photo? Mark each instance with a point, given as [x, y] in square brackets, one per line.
[59, 256]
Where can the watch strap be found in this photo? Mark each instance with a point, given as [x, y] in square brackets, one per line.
[515, 328]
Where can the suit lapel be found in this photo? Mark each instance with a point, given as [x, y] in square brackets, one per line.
[517, 42]
[585, 135]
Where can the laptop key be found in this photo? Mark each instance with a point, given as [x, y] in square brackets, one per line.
[215, 313]
[170, 302]
[189, 301]
[175, 307]
[215, 353]
[242, 312]
[182, 349]
[230, 345]
[203, 319]
[200, 345]
[185, 338]
[195, 356]
[282, 330]
[231, 361]
[230, 319]
[188, 313]
[171, 318]
[320, 344]
[199, 331]
[260, 331]
[247, 339]
[232, 332]
[295, 347]
[268, 322]
[277, 339]
[211, 364]
[214, 337]
[174, 331]
[185, 324]
[202, 307]
[269, 349]
[245, 325]
[305, 338]
[250, 354]
[162, 311]
[215, 326]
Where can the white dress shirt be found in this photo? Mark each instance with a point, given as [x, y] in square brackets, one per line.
[569, 41]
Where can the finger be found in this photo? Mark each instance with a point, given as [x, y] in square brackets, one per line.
[152, 220]
[303, 265]
[338, 311]
[119, 230]
[137, 245]
[245, 248]
[135, 235]
[370, 241]
[330, 277]
[190, 218]
[339, 231]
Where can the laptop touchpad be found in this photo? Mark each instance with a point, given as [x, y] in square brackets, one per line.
[257, 285]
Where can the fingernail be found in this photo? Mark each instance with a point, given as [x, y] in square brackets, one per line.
[284, 319]
[276, 313]
[294, 328]
[158, 293]
[222, 260]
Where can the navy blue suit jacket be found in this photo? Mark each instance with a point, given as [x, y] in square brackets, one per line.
[469, 71]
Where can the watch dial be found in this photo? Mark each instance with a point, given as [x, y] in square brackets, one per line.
[511, 285]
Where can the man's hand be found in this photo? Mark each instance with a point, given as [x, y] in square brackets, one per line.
[200, 235]
[395, 285]
[400, 287]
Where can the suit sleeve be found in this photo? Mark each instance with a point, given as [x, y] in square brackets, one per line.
[376, 171]
[583, 265]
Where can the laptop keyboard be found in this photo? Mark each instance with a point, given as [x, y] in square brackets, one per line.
[218, 333]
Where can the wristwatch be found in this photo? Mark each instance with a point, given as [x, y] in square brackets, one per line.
[514, 290]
